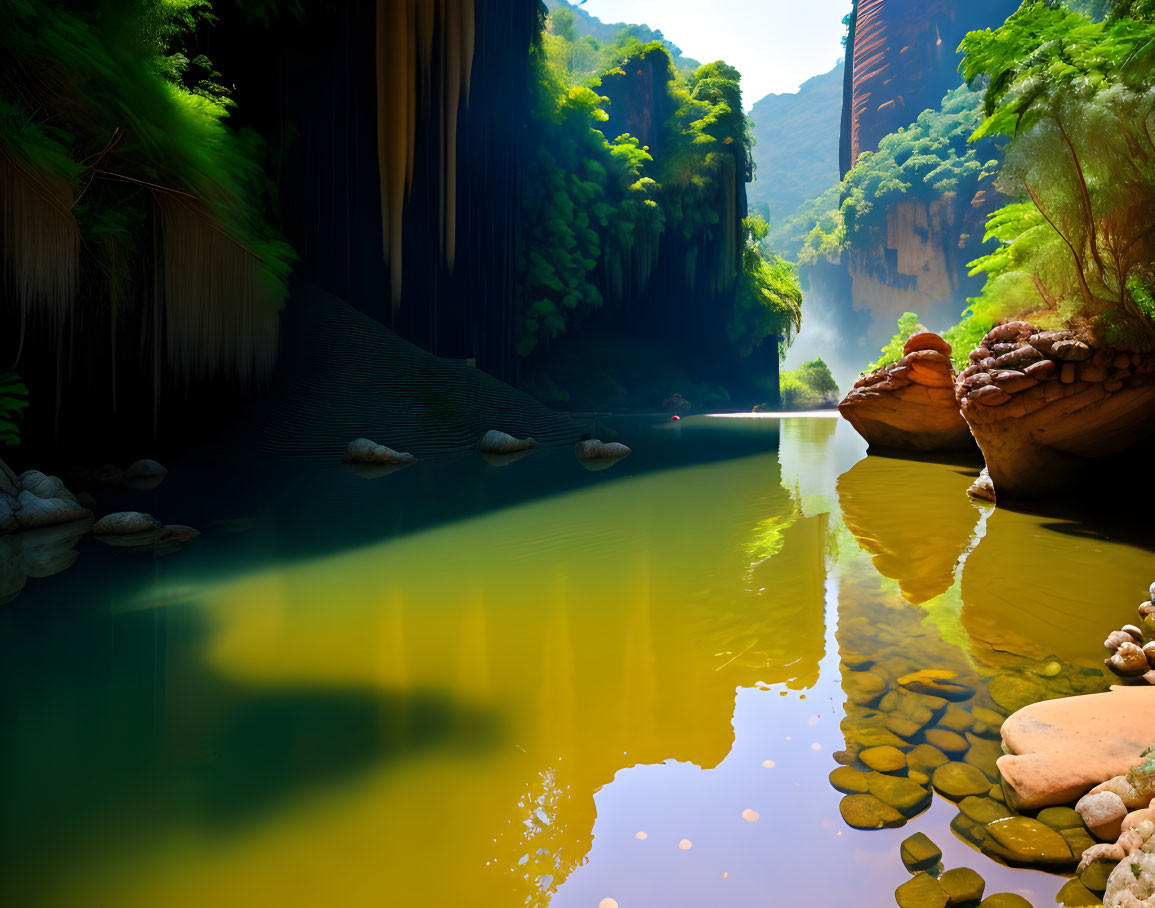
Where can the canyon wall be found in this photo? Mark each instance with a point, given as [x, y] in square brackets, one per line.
[901, 61]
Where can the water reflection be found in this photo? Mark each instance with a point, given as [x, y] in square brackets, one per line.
[533, 705]
[913, 517]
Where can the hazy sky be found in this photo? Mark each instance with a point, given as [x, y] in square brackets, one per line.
[776, 44]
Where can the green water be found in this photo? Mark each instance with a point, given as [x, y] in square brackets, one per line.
[478, 686]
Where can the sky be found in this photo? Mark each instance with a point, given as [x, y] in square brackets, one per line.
[776, 44]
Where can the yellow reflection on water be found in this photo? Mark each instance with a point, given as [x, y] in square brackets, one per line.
[586, 633]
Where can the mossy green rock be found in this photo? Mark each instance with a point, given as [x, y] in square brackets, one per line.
[984, 810]
[903, 795]
[1060, 818]
[932, 682]
[1005, 900]
[996, 792]
[1030, 842]
[883, 759]
[1094, 875]
[921, 891]
[947, 741]
[963, 886]
[958, 780]
[865, 811]
[849, 781]
[1078, 840]
[967, 829]
[918, 852]
[1075, 895]
[926, 758]
[1012, 692]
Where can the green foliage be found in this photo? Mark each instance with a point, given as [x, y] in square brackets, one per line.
[816, 224]
[1075, 98]
[908, 326]
[809, 387]
[930, 159]
[126, 107]
[595, 207]
[768, 298]
[13, 401]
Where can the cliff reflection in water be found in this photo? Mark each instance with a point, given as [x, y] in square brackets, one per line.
[593, 631]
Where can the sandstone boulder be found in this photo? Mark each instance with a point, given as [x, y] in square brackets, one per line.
[910, 405]
[1057, 750]
[1050, 403]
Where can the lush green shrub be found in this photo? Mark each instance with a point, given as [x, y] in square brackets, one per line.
[809, 387]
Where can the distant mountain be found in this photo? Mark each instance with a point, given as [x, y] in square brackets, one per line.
[796, 150]
[607, 32]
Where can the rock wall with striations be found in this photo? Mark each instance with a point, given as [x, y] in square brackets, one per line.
[901, 61]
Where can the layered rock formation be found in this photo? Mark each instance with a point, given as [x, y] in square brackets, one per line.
[902, 60]
[911, 404]
[1044, 406]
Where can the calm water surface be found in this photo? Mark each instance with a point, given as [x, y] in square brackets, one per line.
[465, 685]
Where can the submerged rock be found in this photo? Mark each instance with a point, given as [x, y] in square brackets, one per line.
[921, 891]
[1005, 900]
[918, 852]
[904, 795]
[1057, 750]
[958, 780]
[495, 442]
[886, 758]
[962, 885]
[910, 405]
[367, 451]
[1026, 841]
[865, 811]
[849, 780]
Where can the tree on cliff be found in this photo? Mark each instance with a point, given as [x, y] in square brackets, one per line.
[1075, 99]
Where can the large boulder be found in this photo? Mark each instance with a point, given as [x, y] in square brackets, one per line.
[1058, 750]
[33, 500]
[910, 405]
[1043, 405]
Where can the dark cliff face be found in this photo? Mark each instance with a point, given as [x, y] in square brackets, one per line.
[310, 88]
[901, 60]
[639, 100]
[794, 152]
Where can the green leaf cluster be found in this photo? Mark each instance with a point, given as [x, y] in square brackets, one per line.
[13, 402]
[930, 159]
[125, 105]
[595, 206]
[768, 297]
[809, 387]
[908, 326]
[1075, 98]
